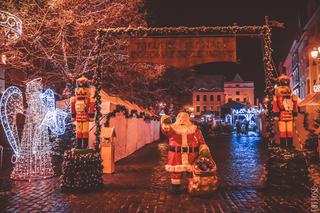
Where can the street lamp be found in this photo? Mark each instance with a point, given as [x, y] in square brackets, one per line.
[315, 54]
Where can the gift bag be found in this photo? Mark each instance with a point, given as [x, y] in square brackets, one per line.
[204, 179]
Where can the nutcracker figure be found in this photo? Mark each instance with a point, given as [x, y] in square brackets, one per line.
[185, 144]
[285, 110]
[82, 110]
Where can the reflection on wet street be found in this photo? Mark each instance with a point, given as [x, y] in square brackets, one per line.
[240, 160]
[141, 184]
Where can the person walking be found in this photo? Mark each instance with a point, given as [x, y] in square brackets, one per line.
[238, 128]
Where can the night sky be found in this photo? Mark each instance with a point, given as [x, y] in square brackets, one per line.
[227, 12]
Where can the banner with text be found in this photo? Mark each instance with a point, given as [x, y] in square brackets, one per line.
[182, 52]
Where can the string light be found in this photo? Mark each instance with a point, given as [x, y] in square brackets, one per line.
[10, 106]
[33, 153]
[55, 118]
[11, 24]
[264, 31]
[247, 113]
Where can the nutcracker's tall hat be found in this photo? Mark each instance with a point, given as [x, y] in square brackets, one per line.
[83, 86]
[283, 80]
[83, 82]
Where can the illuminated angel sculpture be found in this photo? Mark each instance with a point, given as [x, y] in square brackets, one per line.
[32, 154]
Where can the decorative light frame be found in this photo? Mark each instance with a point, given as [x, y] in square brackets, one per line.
[32, 154]
[247, 113]
[6, 120]
[11, 23]
[263, 31]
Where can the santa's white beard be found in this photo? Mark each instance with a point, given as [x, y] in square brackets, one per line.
[184, 128]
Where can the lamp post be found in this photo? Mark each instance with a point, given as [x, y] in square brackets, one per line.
[315, 54]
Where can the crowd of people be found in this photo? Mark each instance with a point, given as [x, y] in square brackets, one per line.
[243, 127]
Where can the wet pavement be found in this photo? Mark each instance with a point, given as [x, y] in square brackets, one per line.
[141, 185]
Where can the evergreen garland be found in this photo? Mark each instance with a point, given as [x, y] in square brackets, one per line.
[97, 83]
[165, 31]
[81, 170]
[133, 113]
[269, 81]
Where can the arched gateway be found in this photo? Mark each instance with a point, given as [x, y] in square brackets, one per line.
[153, 36]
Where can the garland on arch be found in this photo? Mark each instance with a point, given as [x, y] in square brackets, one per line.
[269, 82]
[165, 31]
[98, 86]
[133, 114]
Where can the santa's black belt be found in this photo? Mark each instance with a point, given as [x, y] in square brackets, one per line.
[189, 149]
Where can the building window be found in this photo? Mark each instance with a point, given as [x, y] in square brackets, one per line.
[211, 108]
[229, 99]
[218, 98]
[198, 108]
[308, 86]
[237, 92]
[198, 97]
[238, 99]
[205, 98]
[204, 108]
[211, 97]
[245, 100]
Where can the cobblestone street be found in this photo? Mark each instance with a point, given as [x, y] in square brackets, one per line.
[141, 185]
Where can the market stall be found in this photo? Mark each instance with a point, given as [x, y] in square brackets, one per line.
[132, 131]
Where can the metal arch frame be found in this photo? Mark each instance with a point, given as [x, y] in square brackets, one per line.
[263, 31]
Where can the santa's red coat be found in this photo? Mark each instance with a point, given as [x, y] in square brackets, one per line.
[182, 137]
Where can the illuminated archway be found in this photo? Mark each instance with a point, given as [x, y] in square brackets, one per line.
[264, 32]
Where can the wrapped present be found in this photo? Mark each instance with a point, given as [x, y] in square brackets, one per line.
[204, 179]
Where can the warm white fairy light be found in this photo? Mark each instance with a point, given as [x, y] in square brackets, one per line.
[11, 24]
[10, 106]
[33, 152]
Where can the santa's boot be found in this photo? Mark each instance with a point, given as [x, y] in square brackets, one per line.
[79, 143]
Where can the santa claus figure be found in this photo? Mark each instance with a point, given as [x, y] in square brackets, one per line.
[185, 144]
[82, 110]
[285, 109]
